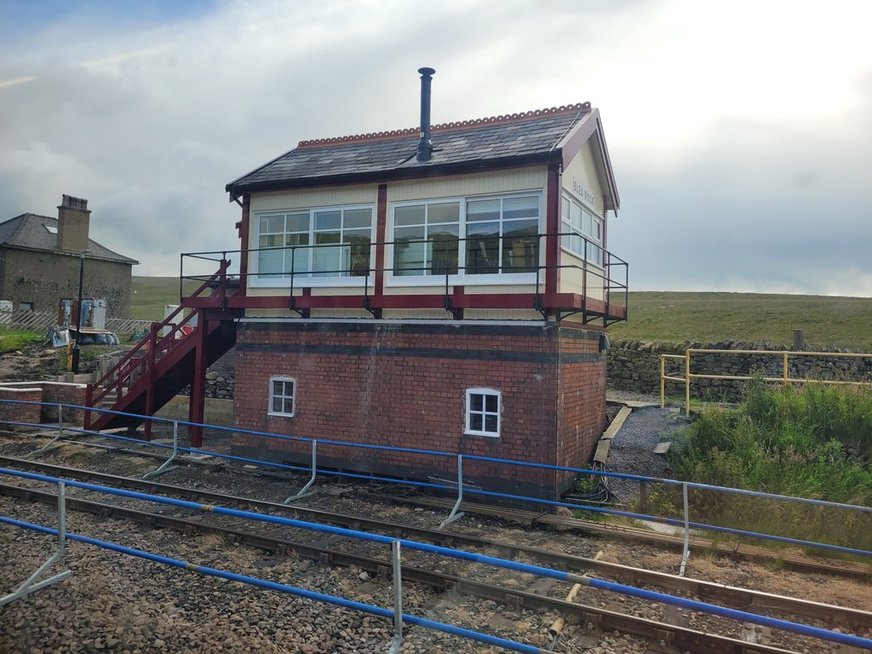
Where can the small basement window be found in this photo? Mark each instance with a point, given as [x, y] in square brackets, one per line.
[282, 391]
[483, 412]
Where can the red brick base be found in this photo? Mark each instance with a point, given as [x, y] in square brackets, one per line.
[404, 384]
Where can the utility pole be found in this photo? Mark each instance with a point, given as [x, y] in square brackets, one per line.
[79, 315]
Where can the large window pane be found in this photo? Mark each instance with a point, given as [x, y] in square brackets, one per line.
[298, 222]
[524, 207]
[327, 258]
[444, 248]
[413, 215]
[358, 251]
[274, 224]
[448, 212]
[479, 210]
[409, 251]
[328, 220]
[355, 218]
[519, 246]
[269, 263]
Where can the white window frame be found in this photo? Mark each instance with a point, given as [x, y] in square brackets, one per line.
[307, 279]
[485, 392]
[462, 277]
[284, 379]
[566, 226]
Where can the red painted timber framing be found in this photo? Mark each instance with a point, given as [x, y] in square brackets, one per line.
[552, 228]
[243, 236]
[197, 401]
[381, 230]
[459, 299]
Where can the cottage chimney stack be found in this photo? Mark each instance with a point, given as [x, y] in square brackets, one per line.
[425, 145]
[74, 219]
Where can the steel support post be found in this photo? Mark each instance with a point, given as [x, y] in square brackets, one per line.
[685, 552]
[197, 407]
[455, 510]
[397, 640]
[150, 380]
[304, 491]
[165, 466]
[57, 436]
[31, 584]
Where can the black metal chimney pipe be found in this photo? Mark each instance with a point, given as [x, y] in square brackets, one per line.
[425, 145]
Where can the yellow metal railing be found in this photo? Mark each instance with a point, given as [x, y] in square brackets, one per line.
[785, 377]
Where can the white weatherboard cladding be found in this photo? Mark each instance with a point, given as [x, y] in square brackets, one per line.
[312, 198]
[582, 172]
[453, 186]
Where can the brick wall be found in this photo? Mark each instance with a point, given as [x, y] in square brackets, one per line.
[582, 389]
[42, 391]
[29, 413]
[404, 385]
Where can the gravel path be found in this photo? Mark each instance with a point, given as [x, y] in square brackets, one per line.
[632, 450]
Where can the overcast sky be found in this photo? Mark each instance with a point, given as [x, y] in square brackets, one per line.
[740, 132]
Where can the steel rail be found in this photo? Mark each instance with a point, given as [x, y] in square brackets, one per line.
[739, 550]
[728, 595]
[680, 637]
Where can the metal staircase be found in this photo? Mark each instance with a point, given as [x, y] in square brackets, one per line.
[175, 354]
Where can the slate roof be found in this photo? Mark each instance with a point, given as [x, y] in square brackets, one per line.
[28, 231]
[530, 137]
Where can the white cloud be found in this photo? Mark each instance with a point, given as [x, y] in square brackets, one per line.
[729, 123]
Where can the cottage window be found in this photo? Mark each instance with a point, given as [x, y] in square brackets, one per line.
[483, 409]
[330, 242]
[500, 235]
[282, 393]
[582, 231]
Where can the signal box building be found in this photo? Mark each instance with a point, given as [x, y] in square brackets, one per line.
[443, 288]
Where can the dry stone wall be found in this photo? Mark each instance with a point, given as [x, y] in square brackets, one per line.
[635, 366]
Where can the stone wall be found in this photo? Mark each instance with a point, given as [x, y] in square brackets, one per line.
[43, 278]
[635, 366]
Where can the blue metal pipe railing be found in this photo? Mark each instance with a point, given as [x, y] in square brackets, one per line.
[507, 496]
[472, 557]
[285, 588]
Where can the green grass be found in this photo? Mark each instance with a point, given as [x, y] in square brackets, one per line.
[813, 441]
[15, 339]
[151, 294]
[712, 317]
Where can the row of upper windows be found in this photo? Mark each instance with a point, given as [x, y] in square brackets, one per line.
[493, 235]
[483, 406]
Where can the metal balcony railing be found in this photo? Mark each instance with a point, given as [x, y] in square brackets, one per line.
[598, 275]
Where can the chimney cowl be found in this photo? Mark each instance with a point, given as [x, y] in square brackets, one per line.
[425, 145]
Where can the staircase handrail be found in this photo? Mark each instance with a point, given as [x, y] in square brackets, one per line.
[127, 360]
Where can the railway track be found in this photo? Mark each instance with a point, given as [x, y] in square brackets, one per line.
[791, 560]
[683, 638]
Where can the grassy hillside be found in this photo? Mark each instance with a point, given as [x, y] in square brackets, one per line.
[674, 316]
[151, 294]
[669, 316]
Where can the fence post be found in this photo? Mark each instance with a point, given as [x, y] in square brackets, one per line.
[685, 554]
[455, 515]
[397, 640]
[786, 368]
[54, 440]
[662, 381]
[687, 382]
[304, 491]
[165, 466]
[31, 584]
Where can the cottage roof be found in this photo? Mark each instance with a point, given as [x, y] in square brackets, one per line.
[532, 137]
[30, 231]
